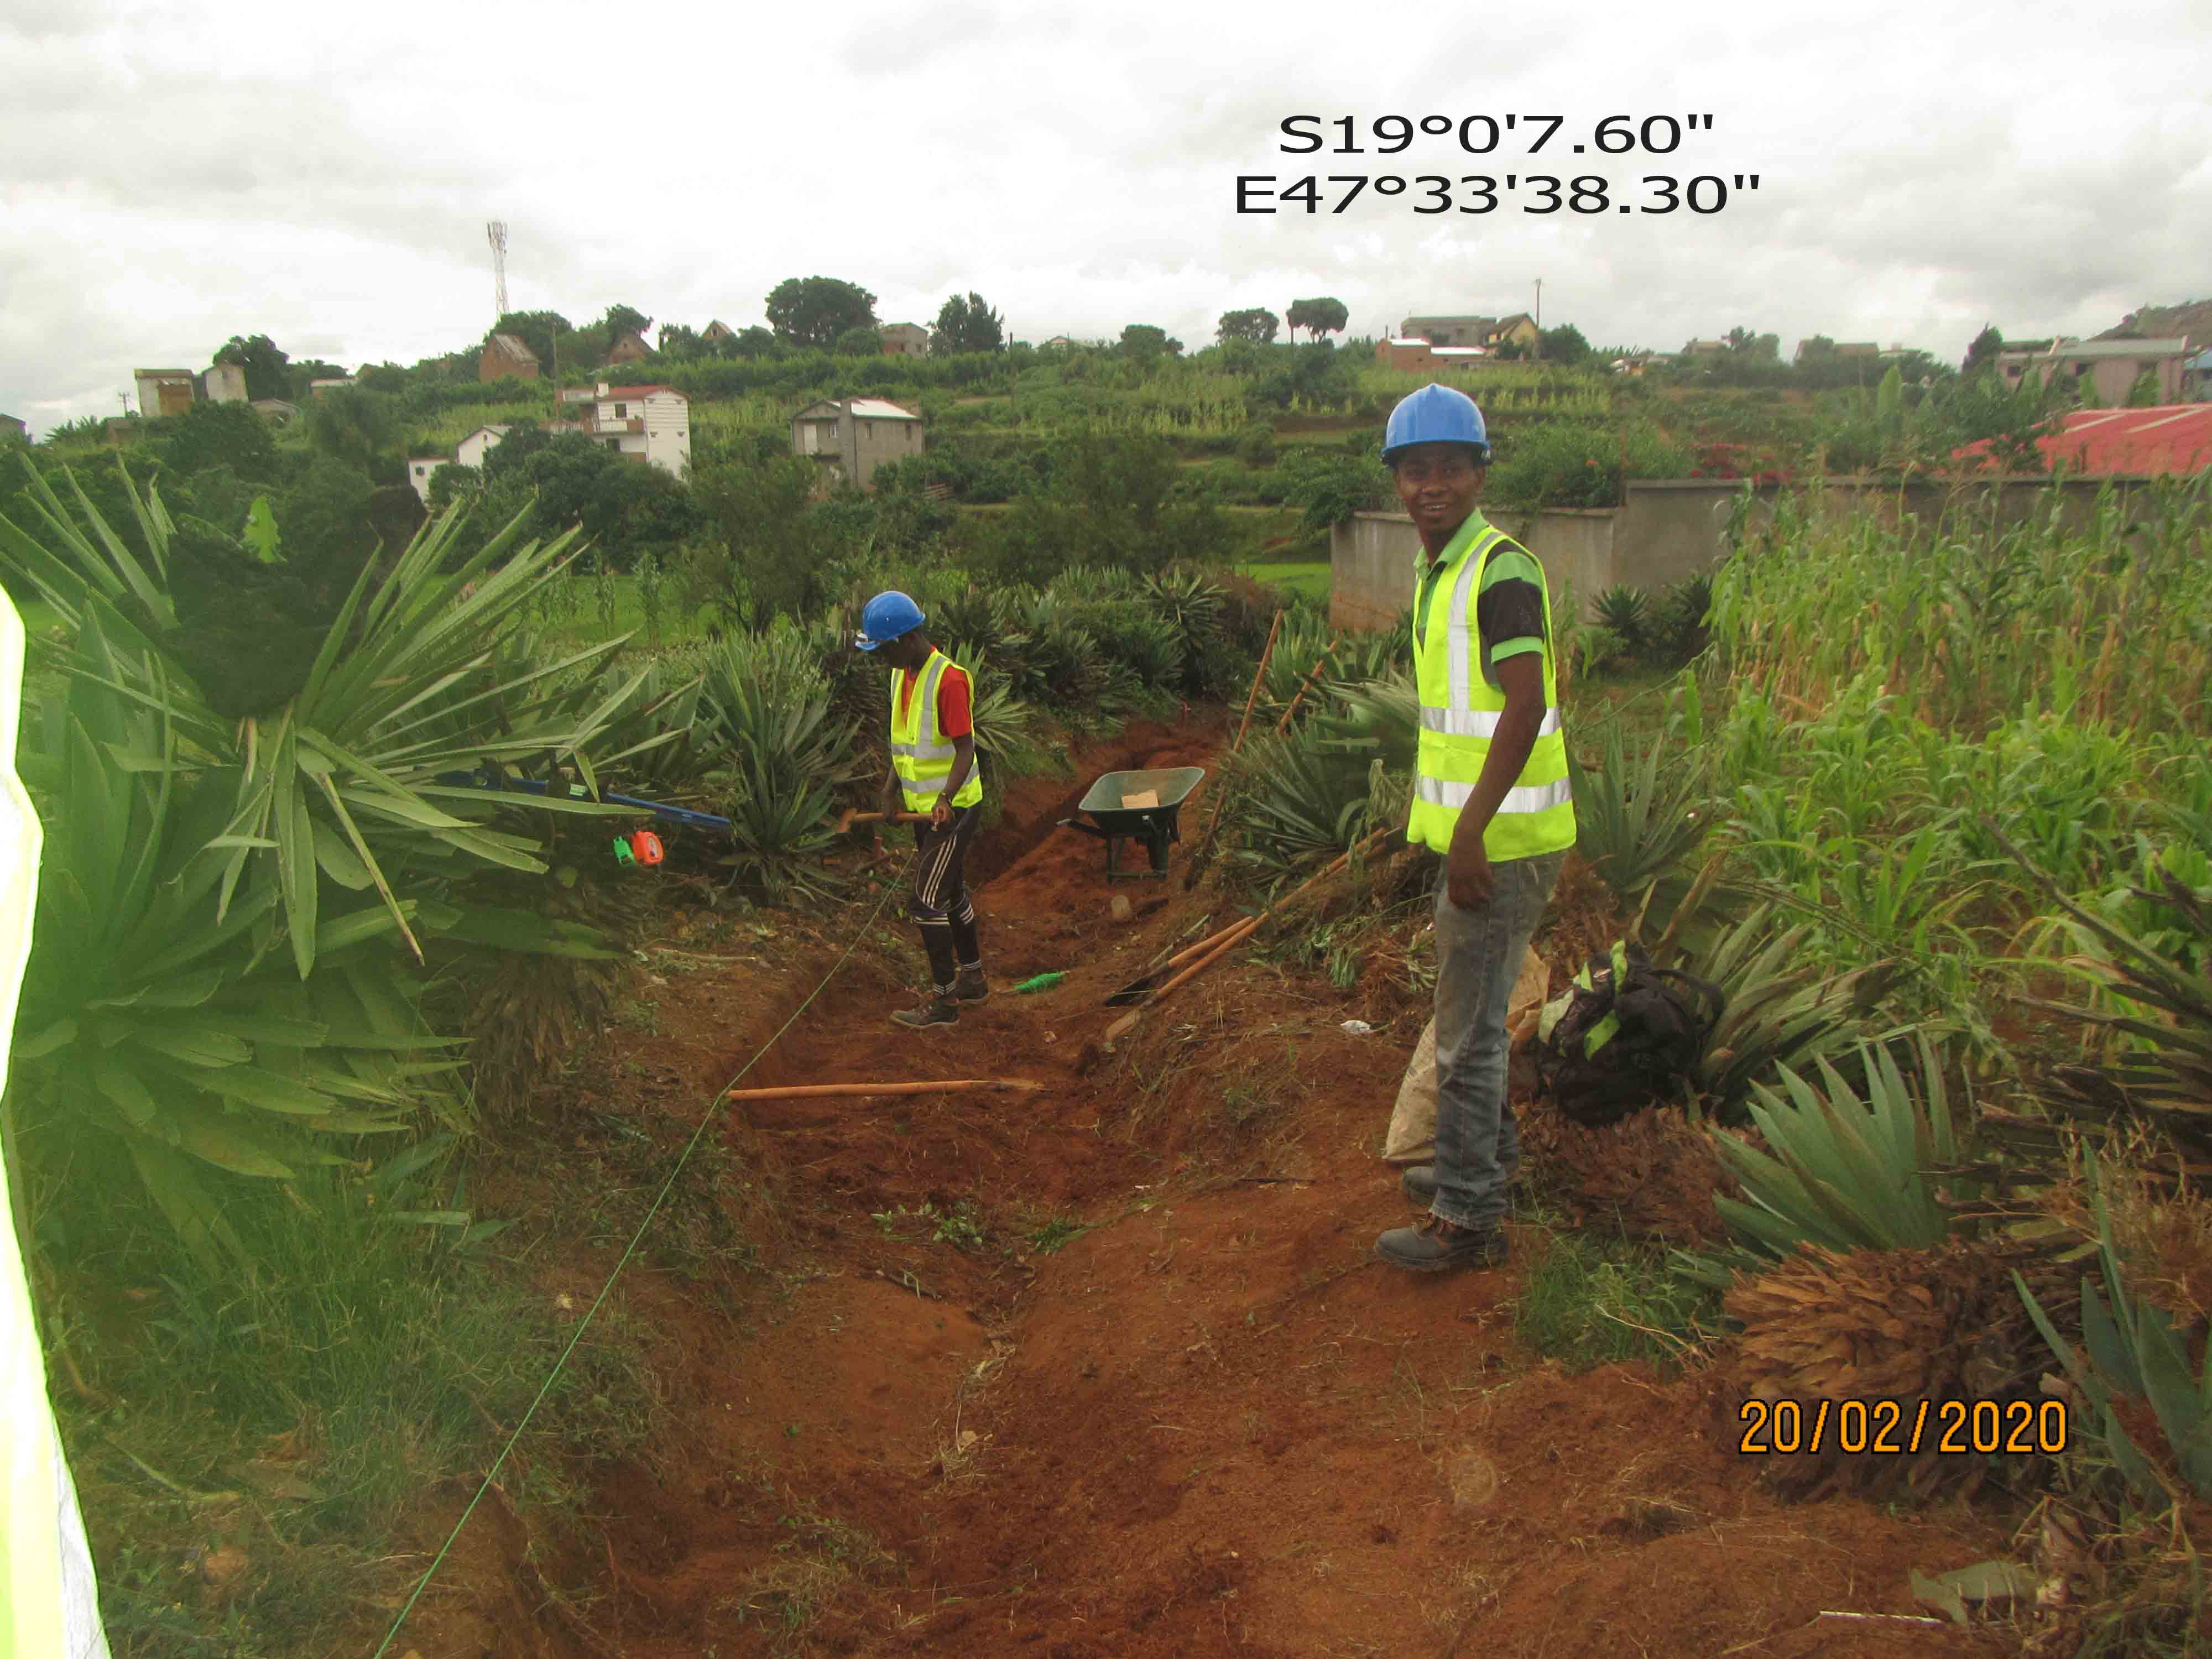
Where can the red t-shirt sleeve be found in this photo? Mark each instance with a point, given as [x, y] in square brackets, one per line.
[954, 718]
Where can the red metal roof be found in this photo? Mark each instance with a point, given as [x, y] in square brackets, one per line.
[2169, 438]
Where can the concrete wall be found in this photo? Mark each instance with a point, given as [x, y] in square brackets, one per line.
[226, 384]
[1668, 529]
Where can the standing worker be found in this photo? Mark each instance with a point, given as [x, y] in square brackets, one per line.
[933, 771]
[1491, 795]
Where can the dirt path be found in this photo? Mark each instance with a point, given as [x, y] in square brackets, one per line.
[1207, 1424]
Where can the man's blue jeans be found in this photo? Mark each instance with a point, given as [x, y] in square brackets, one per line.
[1478, 954]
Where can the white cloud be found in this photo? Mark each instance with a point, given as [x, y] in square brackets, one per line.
[173, 173]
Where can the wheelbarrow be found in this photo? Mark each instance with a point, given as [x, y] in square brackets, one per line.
[1139, 806]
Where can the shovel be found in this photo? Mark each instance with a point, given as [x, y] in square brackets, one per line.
[852, 814]
[1140, 988]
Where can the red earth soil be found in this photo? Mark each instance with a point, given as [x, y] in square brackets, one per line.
[1209, 1425]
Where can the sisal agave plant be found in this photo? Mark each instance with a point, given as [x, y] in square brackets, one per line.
[1638, 818]
[214, 979]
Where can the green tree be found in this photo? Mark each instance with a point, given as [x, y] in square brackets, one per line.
[1257, 324]
[1329, 485]
[1564, 345]
[813, 311]
[765, 552]
[2144, 394]
[1316, 317]
[1142, 342]
[541, 332]
[357, 427]
[1814, 347]
[2085, 391]
[208, 435]
[968, 323]
[1747, 342]
[865, 341]
[266, 371]
[622, 320]
[1982, 352]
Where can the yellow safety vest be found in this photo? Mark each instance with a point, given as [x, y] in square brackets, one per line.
[1460, 711]
[921, 755]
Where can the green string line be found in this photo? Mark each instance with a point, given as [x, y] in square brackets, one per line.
[584, 1324]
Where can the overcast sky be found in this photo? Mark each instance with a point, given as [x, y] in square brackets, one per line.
[171, 175]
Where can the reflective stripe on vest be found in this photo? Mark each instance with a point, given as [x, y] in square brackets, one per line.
[920, 754]
[1461, 712]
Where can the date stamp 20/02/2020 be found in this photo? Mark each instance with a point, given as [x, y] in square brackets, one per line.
[1902, 1428]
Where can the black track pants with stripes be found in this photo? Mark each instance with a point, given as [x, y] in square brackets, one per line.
[939, 902]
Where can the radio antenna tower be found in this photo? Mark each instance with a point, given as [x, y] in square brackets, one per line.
[495, 233]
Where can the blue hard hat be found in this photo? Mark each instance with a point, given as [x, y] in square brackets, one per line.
[886, 617]
[1435, 413]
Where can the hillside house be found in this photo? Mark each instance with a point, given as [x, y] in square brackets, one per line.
[505, 357]
[164, 390]
[905, 340]
[472, 449]
[1417, 356]
[1449, 330]
[1518, 330]
[1059, 342]
[2112, 366]
[648, 423]
[630, 345]
[1706, 349]
[275, 410]
[850, 437]
[12, 428]
[316, 388]
[419, 469]
[717, 332]
[224, 383]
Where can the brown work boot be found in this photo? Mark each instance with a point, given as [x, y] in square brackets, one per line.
[938, 1008]
[971, 986]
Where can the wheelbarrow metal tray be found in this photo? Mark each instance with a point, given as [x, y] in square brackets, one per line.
[1103, 800]
[1104, 815]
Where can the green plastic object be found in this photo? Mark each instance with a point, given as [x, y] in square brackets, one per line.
[1041, 983]
[622, 854]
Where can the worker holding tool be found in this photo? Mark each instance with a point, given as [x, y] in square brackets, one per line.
[933, 771]
[1491, 795]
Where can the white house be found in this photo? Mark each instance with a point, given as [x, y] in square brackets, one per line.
[225, 383]
[651, 423]
[470, 452]
[419, 469]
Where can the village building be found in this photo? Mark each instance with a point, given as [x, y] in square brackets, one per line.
[163, 390]
[506, 357]
[2113, 366]
[851, 437]
[905, 340]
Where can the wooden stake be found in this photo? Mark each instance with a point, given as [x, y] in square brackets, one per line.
[1260, 674]
[1305, 686]
[986, 1086]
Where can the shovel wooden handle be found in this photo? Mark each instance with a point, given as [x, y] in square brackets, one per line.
[995, 1085]
[1229, 941]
